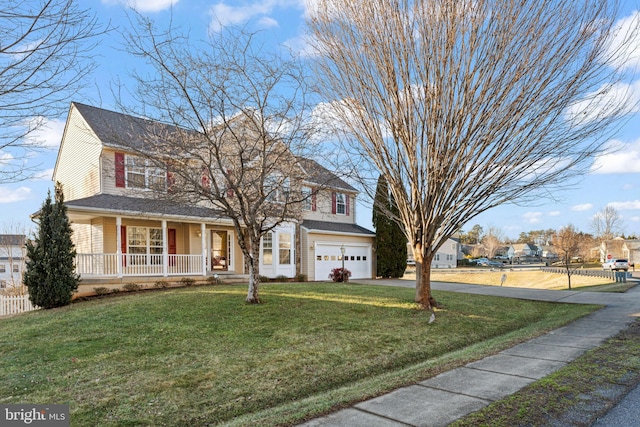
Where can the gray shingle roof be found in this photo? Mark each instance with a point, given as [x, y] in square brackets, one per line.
[118, 130]
[137, 206]
[336, 227]
[320, 175]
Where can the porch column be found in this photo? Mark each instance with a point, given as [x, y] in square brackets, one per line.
[119, 246]
[165, 250]
[203, 241]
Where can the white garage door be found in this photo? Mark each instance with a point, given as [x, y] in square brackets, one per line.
[357, 259]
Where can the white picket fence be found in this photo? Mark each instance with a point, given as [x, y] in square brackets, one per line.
[15, 304]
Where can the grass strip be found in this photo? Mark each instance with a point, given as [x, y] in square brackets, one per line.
[576, 394]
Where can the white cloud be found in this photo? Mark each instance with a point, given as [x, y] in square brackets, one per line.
[610, 100]
[144, 5]
[267, 22]
[554, 213]
[301, 46]
[631, 205]
[223, 14]
[45, 175]
[48, 134]
[582, 207]
[12, 195]
[619, 157]
[625, 45]
[532, 217]
[635, 219]
[6, 157]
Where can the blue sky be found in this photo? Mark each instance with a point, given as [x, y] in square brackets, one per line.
[615, 181]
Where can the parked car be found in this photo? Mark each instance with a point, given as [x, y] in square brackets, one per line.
[616, 264]
[480, 261]
[494, 264]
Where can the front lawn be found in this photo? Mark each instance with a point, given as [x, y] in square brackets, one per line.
[201, 356]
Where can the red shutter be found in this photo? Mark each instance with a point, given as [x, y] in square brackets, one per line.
[119, 163]
[313, 199]
[206, 183]
[171, 179]
[123, 243]
[172, 246]
[346, 204]
[333, 203]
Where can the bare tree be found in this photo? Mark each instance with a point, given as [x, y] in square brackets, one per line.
[607, 224]
[466, 105]
[45, 56]
[237, 127]
[570, 245]
[13, 252]
[492, 241]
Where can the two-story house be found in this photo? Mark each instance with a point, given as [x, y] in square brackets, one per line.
[124, 234]
[12, 259]
[446, 257]
[523, 250]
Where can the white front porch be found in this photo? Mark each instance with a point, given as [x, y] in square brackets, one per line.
[122, 265]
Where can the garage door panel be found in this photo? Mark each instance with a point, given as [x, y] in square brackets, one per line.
[357, 260]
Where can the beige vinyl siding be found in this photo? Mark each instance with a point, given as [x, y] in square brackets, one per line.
[77, 168]
[81, 238]
[89, 237]
[323, 209]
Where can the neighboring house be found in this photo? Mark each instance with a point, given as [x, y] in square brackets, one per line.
[548, 251]
[631, 251]
[446, 257]
[12, 259]
[612, 249]
[520, 250]
[127, 235]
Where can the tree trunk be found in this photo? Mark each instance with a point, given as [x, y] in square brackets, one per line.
[253, 296]
[423, 283]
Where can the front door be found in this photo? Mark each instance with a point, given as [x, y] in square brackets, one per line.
[219, 250]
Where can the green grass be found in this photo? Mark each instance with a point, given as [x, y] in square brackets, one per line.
[196, 356]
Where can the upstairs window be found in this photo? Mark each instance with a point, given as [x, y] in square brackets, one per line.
[277, 188]
[140, 173]
[308, 199]
[340, 203]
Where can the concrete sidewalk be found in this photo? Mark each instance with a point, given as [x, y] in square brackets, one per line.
[443, 399]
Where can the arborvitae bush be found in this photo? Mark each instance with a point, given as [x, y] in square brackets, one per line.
[50, 272]
[391, 243]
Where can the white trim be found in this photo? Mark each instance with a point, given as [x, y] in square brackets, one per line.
[334, 233]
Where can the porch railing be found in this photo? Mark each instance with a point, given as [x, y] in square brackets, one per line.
[117, 265]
